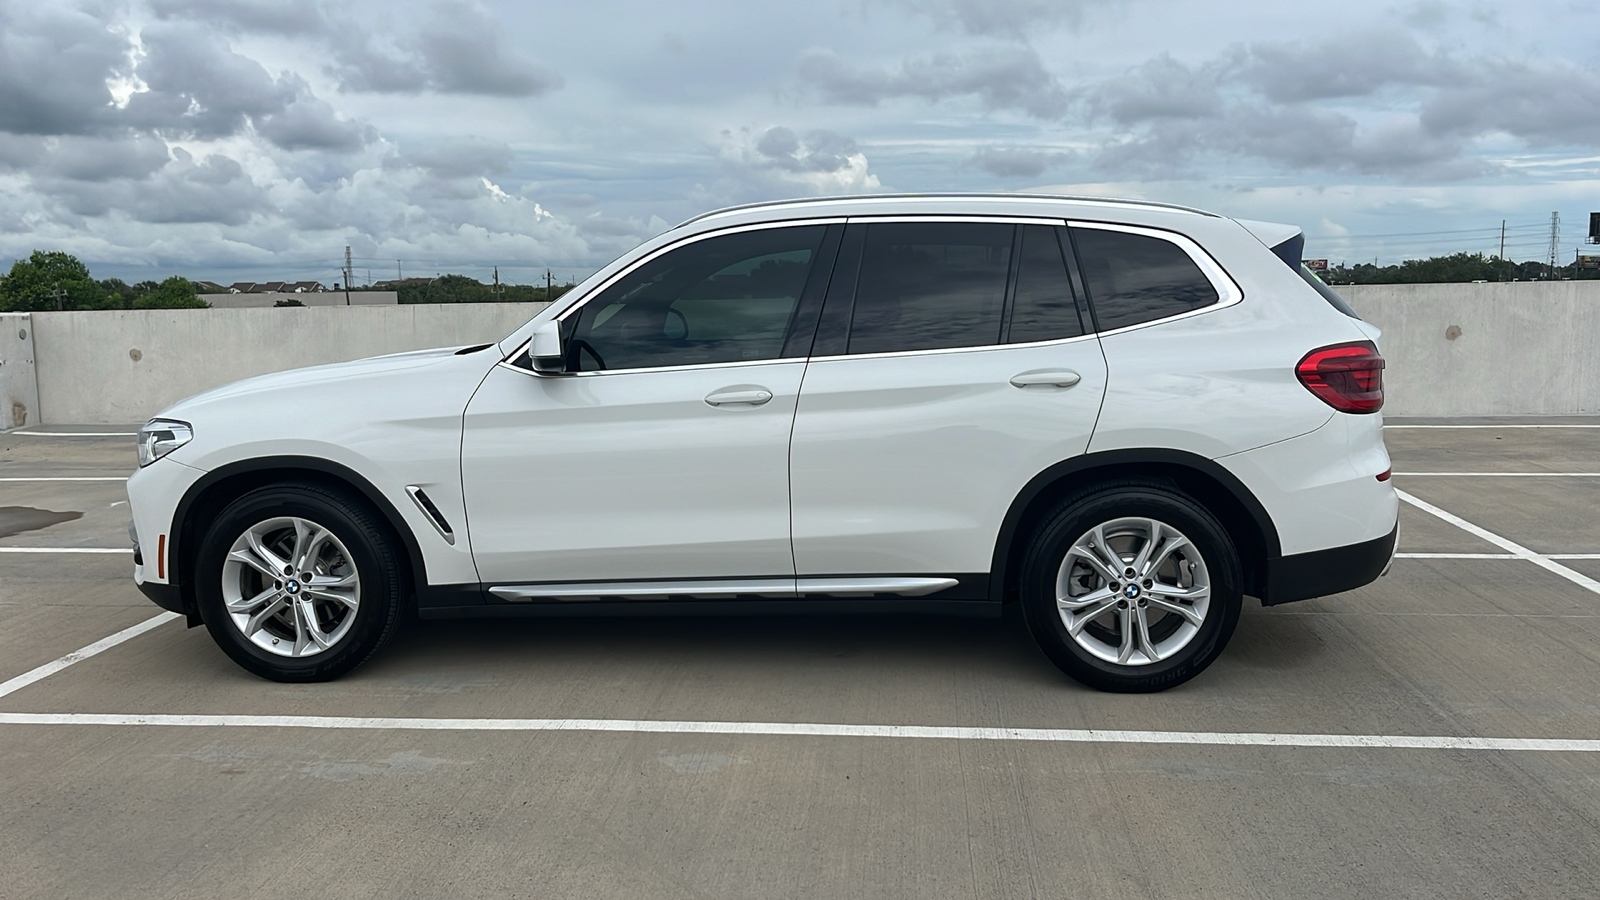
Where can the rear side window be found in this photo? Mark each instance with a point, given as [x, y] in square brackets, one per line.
[1044, 308]
[1136, 278]
[930, 285]
[729, 298]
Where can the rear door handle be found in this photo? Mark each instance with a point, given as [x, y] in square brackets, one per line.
[1063, 378]
[739, 397]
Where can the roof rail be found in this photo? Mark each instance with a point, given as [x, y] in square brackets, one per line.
[972, 195]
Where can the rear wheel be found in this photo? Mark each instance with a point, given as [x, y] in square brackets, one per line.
[1131, 587]
[298, 582]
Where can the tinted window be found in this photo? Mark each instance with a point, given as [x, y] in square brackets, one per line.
[1134, 278]
[1044, 309]
[930, 285]
[722, 299]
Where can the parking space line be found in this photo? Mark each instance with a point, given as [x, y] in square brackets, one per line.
[1492, 556]
[810, 729]
[1502, 474]
[77, 656]
[74, 478]
[77, 433]
[66, 549]
[1516, 549]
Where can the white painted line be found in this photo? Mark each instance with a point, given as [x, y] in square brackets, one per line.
[66, 549]
[77, 433]
[807, 729]
[77, 656]
[1521, 552]
[1492, 556]
[1503, 474]
[1492, 426]
[75, 478]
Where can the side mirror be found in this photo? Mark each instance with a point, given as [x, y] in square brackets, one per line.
[544, 350]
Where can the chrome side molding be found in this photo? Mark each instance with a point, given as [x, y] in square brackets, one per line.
[773, 588]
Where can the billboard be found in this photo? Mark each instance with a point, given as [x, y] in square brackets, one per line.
[1321, 265]
[1594, 228]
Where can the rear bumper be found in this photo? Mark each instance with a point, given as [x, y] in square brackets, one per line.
[1332, 571]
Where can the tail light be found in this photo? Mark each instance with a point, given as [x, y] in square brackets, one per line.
[1347, 377]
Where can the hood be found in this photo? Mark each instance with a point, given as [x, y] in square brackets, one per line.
[331, 374]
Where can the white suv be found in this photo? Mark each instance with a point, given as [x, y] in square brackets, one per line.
[1121, 416]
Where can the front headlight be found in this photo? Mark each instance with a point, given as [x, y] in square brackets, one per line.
[162, 436]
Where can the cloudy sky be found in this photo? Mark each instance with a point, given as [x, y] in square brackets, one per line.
[228, 139]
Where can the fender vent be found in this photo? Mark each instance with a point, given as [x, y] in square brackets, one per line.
[424, 503]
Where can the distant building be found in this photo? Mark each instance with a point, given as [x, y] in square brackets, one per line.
[275, 287]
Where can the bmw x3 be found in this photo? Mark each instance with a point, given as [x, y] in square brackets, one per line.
[1121, 417]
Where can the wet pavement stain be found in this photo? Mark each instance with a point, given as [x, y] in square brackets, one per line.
[17, 519]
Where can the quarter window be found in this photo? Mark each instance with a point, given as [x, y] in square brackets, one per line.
[930, 285]
[1044, 309]
[730, 298]
[1135, 278]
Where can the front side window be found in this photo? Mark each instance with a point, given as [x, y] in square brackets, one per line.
[930, 285]
[729, 298]
[1136, 278]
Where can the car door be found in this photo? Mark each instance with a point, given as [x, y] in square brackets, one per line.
[664, 452]
[953, 364]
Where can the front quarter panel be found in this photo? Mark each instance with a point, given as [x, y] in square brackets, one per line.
[392, 421]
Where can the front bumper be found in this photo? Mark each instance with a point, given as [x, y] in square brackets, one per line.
[166, 596]
[1332, 571]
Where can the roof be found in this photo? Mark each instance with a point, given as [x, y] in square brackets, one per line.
[877, 199]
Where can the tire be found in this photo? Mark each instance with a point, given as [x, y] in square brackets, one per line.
[1150, 633]
[279, 625]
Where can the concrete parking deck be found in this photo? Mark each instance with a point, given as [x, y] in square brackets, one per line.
[1434, 734]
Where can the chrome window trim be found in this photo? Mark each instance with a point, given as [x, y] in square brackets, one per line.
[1228, 291]
[898, 353]
[790, 360]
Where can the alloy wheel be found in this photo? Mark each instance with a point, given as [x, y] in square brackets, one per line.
[1133, 591]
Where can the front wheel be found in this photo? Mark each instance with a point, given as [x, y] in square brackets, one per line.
[1131, 587]
[298, 583]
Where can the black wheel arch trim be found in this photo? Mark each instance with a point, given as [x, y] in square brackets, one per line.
[1002, 567]
[183, 526]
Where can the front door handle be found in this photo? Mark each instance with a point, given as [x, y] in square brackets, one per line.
[739, 397]
[1063, 378]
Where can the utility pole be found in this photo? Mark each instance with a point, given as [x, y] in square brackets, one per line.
[348, 272]
[549, 285]
[497, 290]
[1555, 242]
[1502, 238]
[397, 270]
[56, 293]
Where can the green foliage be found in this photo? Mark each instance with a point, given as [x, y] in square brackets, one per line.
[1455, 268]
[176, 292]
[49, 280]
[464, 289]
[38, 282]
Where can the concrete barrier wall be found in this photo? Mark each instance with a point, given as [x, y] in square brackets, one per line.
[1453, 349]
[107, 367]
[19, 384]
[1519, 349]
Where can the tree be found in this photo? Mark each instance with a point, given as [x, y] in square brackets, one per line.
[176, 292]
[49, 280]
